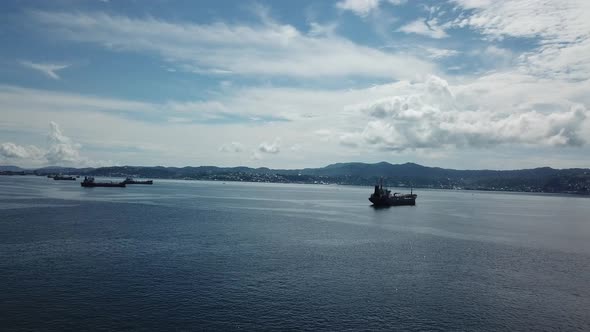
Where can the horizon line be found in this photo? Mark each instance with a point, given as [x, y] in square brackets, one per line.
[290, 169]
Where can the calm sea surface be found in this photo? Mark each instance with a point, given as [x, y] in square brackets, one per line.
[183, 255]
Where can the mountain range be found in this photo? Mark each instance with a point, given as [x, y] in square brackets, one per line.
[544, 179]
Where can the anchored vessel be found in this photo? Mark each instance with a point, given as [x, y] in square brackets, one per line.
[61, 177]
[382, 197]
[130, 180]
[89, 182]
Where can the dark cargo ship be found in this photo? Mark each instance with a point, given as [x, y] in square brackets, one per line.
[61, 177]
[383, 198]
[132, 181]
[89, 183]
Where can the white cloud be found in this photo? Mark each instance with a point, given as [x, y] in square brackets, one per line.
[524, 99]
[16, 98]
[34, 100]
[471, 4]
[497, 52]
[49, 69]
[352, 140]
[323, 132]
[272, 148]
[201, 110]
[364, 7]
[359, 7]
[233, 147]
[424, 27]
[319, 120]
[318, 30]
[499, 58]
[13, 151]
[439, 53]
[561, 30]
[269, 48]
[61, 151]
[433, 118]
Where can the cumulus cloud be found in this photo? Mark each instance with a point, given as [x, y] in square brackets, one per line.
[13, 151]
[433, 118]
[61, 151]
[233, 147]
[272, 148]
[49, 69]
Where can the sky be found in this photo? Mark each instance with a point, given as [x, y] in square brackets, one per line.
[465, 84]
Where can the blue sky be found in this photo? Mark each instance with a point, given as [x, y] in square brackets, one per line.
[289, 84]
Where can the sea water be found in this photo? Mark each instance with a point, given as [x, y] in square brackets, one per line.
[192, 255]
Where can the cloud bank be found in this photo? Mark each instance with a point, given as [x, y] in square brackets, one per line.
[433, 118]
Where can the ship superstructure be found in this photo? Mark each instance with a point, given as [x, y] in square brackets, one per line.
[383, 197]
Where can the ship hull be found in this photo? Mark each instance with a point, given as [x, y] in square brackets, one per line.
[139, 182]
[386, 202]
[92, 185]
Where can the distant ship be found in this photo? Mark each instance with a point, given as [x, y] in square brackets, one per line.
[130, 180]
[89, 182]
[382, 197]
[61, 177]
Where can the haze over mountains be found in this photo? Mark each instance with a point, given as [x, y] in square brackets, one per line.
[544, 179]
